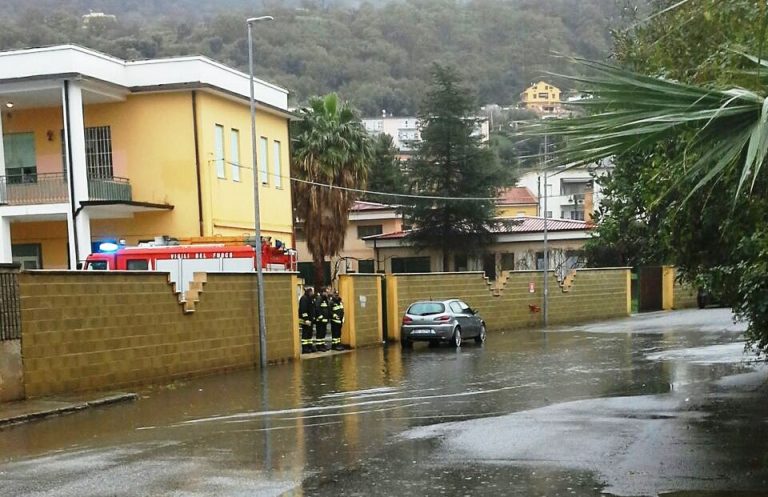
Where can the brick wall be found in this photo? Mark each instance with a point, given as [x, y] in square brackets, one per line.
[363, 309]
[88, 331]
[595, 294]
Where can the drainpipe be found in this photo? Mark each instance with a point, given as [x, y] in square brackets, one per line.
[70, 175]
[197, 165]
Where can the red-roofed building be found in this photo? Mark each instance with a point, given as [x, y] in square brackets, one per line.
[519, 245]
[517, 201]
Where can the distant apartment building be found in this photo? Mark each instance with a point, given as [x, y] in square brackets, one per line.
[98, 149]
[405, 131]
[571, 193]
[542, 98]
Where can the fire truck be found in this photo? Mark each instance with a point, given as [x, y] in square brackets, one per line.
[182, 261]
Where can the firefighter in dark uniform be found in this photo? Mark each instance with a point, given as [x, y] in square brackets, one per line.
[322, 318]
[337, 319]
[306, 318]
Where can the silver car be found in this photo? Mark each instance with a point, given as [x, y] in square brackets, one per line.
[441, 321]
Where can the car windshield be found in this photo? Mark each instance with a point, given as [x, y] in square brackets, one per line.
[97, 265]
[426, 308]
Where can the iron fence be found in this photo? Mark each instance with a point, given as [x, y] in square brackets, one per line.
[109, 189]
[33, 188]
[10, 310]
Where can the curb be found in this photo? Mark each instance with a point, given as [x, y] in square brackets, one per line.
[67, 409]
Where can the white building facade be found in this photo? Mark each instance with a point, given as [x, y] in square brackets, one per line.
[567, 190]
[405, 130]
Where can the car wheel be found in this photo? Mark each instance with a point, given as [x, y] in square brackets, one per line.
[480, 338]
[456, 340]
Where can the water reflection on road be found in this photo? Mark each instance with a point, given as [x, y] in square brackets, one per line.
[660, 403]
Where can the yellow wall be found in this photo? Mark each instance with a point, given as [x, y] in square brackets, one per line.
[596, 294]
[51, 235]
[40, 122]
[517, 210]
[71, 344]
[229, 204]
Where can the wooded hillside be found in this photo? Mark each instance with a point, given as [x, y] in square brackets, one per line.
[377, 55]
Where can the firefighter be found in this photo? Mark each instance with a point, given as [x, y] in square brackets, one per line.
[306, 318]
[322, 317]
[337, 319]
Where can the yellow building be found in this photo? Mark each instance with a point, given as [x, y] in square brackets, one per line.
[100, 149]
[517, 201]
[542, 98]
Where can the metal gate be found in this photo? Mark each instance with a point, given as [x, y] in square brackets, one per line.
[10, 311]
[650, 295]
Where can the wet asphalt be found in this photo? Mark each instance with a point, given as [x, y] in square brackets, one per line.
[659, 404]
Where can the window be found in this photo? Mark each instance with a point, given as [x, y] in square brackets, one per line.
[507, 262]
[234, 153]
[577, 215]
[20, 159]
[263, 164]
[460, 263]
[97, 266]
[98, 152]
[218, 152]
[549, 214]
[365, 266]
[543, 95]
[363, 231]
[277, 164]
[426, 308]
[411, 264]
[455, 307]
[28, 255]
[137, 265]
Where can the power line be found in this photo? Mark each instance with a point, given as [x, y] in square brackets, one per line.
[370, 192]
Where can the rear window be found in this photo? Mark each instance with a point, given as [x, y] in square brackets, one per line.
[426, 308]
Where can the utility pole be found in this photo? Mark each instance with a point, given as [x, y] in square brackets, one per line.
[545, 306]
[256, 210]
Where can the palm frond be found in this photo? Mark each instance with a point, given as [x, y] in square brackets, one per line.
[627, 111]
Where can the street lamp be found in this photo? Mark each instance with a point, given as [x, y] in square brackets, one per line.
[256, 212]
[545, 306]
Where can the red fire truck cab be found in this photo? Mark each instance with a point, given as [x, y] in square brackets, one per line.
[182, 261]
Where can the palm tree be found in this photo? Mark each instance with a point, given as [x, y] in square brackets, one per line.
[329, 147]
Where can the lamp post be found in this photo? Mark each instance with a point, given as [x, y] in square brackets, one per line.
[256, 211]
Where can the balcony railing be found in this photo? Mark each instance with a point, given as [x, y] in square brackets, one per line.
[574, 198]
[109, 189]
[52, 188]
[25, 189]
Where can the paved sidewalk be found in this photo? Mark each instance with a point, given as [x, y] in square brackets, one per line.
[23, 411]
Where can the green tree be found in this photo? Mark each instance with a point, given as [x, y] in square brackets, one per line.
[696, 129]
[386, 174]
[329, 146]
[451, 162]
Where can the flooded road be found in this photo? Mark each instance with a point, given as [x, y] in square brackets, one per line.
[658, 404]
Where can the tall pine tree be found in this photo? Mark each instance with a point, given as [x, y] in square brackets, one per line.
[452, 162]
[386, 174]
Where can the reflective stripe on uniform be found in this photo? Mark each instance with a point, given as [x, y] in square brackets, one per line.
[336, 340]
